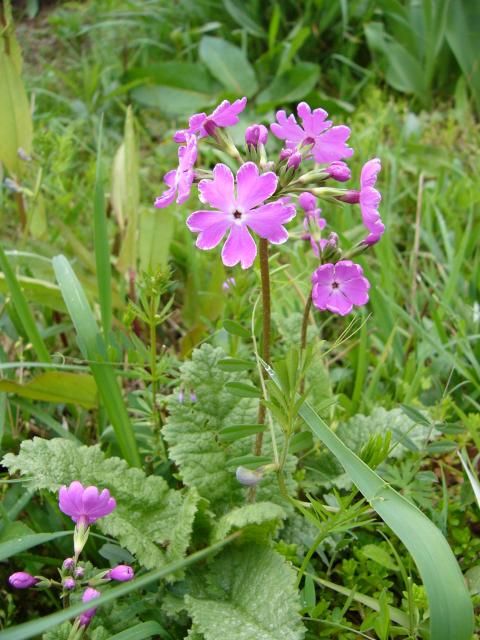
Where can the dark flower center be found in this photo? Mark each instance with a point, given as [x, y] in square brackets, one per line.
[334, 285]
[237, 214]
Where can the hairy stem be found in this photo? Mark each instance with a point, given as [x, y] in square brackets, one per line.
[266, 327]
[303, 338]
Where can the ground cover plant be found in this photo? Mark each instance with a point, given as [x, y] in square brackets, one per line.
[239, 350]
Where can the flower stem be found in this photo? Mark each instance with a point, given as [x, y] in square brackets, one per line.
[266, 326]
[156, 417]
[303, 338]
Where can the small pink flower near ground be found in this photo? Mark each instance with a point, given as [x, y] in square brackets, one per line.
[22, 580]
[339, 287]
[121, 573]
[225, 115]
[238, 210]
[85, 505]
[329, 143]
[86, 616]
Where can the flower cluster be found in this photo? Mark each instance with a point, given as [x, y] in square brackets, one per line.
[84, 505]
[262, 195]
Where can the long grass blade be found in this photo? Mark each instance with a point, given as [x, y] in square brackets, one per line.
[23, 310]
[93, 349]
[451, 614]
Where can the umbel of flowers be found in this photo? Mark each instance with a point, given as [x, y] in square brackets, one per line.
[264, 194]
[258, 196]
[84, 505]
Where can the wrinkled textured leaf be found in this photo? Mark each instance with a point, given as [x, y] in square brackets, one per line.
[152, 521]
[249, 594]
[261, 519]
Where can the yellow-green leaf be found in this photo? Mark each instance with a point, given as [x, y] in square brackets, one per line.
[56, 386]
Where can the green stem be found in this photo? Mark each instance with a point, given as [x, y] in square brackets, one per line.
[157, 423]
[303, 338]
[266, 326]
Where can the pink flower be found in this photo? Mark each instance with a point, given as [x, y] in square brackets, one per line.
[329, 143]
[256, 134]
[86, 616]
[225, 115]
[69, 583]
[179, 180]
[313, 223]
[369, 201]
[22, 580]
[238, 211]
[339, 287]
[121, 573]
[85, 505]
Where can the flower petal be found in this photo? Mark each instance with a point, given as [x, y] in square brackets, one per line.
[212, 226]
[184, 186]
[331, 145]
[347, 270]
[356, 290]
[287, 128]
[219, 191]
[320, 296]
[239, 247]
[253, 189]
[313, 122]
[370, 169]
[226, 114]
[307, 201]
[267, 221]
[338, 303]
[324, 275]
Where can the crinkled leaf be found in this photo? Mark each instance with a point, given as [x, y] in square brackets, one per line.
[259, 520]
[152, 521]
[249, 593]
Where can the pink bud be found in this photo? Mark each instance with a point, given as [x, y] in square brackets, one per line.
[285, 154]
[256, 134]
[86, 616]
[69, 583]
[350, 197]
[339, 171]
[121, 573]
[79, 572]
[22, 580]
[68, 563]
[294, 160]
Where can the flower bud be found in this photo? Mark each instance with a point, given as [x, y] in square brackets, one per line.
[294, 160]
[339, 171]
[285, 154]
[69, 584]
[79, 572]
[86, 616]
[350, 197]
[193, 396]
[228, 284]
[121, 573]
[68, 563]
[248, 477]
[256, 134]
[22, 580]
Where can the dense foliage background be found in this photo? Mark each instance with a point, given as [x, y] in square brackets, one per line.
[404, 76]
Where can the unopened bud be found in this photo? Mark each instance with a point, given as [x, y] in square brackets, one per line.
[121, 573]
[339, 171]
[248, 477]
[22, 580]
[256, 134]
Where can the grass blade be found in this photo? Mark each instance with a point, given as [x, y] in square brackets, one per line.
[12, 547]
[36, 627]
[140, 631]
[102, 248]
[93, 348]
[23, 310]
[451, 614]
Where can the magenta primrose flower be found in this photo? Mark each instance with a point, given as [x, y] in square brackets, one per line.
[22, 580]
[256, 134]
[339, 287]
[86, 616]
[369, 201]
[329, 143]
[225, 115]
[339, 171]
[239, 210]
[85, 505]
[180, 180]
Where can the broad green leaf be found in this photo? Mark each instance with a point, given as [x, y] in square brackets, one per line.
[15, 113]
[229, 65]
[151, 521]
[249, 592]
[243, 390]
[236, 329]
[236, 364]
[238, 431]
[56, 386]
[93, 348]
[451, 614]
[126, 195]
[156, 234]
[176, 88]
[18, 544]
[258, 520]
[293, 84]
[37, 291]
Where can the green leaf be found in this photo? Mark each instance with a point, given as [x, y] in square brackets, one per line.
[377, 554]
[259, 520]
[18, 544]
[291, 85]
[451, 614]
[21, 306]
[56, 386]
[236, 364]
[37, 291]
[156, 234]
[242, 390]
[90, 343]
[249, 592]
[237, 431]
[236, 329]
[176, 88]
[126, 195]
[139, 631]
[15, 113]
[229, 65]
[243, 17]
[152, 521]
